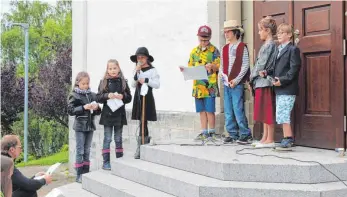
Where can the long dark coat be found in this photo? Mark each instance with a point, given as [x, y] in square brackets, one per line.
[118, 117]
[152, 79]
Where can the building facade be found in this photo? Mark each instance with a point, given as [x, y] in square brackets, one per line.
[105, 30]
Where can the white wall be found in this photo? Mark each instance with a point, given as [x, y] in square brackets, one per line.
[115, 29]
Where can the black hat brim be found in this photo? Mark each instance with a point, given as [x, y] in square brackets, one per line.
[133, 58]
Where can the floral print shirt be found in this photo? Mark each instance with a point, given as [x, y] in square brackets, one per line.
[199, 57]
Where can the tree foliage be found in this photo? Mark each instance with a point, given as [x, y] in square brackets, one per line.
[45, 137]
[50, 26]
[12, 96]
[49, 95]
[50, 41]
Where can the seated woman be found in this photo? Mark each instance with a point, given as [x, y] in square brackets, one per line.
[6, 173]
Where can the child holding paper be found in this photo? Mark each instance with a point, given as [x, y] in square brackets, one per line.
[113, 86]
[205, 91]
[146, 79]
[82, 105]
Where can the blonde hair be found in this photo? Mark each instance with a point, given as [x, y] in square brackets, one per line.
[80, 76]
[268, 23]
[286, 28]
[106, 76]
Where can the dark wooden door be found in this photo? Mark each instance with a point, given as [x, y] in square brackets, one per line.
[319, 110]
[282, 12]
[319, 114]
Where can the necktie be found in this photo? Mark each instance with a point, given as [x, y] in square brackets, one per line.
[279, 51]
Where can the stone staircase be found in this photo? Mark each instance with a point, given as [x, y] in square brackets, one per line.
[217, 171]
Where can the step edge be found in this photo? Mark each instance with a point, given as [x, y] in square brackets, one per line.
[127, 190]
[220, 182]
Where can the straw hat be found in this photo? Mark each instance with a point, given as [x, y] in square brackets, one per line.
[233, 24]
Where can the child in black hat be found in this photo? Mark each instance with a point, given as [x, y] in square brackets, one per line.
[146, 78]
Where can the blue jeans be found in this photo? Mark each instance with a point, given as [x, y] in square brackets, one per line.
[83, 143]
[235, 118]
[108, 130]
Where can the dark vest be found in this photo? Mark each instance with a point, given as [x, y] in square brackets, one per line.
[236, 68]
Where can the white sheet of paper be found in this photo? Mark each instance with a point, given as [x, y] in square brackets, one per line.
[144, 89]
[50, 170]
[225, 79]
[91, 111]
[53, 168]
[195, 73]
[114, 104]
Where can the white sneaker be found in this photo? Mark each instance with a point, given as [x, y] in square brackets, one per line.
[255, 143]
[270, 145]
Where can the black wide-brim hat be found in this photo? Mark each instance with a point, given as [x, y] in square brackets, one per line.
[141, 51]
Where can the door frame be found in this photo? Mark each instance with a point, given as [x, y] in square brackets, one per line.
[345, 37]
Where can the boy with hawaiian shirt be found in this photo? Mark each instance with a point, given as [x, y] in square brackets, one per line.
[205, 91]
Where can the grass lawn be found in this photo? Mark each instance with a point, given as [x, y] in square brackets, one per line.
[62, 157]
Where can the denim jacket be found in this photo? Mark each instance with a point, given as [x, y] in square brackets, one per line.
[264, 61]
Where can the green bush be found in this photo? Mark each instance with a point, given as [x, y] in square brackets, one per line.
[45, 137]
[21, 158]
[65, 147]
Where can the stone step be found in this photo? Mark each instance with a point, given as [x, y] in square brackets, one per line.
[70, 190]
[186, 184]
[104, 184]
[222, 162]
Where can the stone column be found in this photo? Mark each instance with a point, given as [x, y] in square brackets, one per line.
[79, 37]
[216, 18]
[233, 10]
[247, 22]
[79, 61]
[243, 11]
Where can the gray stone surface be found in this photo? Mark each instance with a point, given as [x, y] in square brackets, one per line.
[71, 190]
[104, 184]
[334, 193]
[170, 126]
[186, 184]
[222, 162]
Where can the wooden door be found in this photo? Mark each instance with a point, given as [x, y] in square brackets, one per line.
[319, 112]
[282, 12]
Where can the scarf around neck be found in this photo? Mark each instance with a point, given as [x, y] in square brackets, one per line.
[79, 91]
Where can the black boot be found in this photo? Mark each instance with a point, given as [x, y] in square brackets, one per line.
[139, 142]
[106, 165]
[119, 152]
[85, 169]
[147, 139]
[79, 172]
